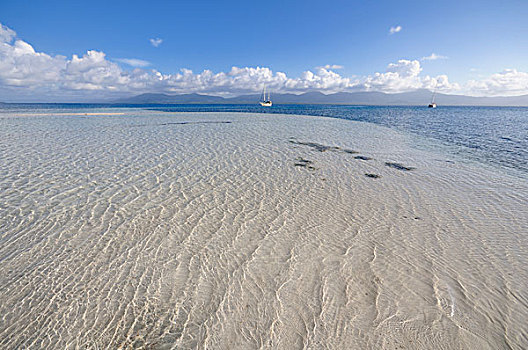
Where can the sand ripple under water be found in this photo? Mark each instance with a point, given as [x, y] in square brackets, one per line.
[245, 231]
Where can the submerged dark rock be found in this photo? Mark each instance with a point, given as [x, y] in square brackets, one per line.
[399, 166]
[305, 165]
[304, 161]
[362, 158]
[349, 151]
[317, 146]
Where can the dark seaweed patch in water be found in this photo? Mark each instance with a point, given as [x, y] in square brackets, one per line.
[204, 122]
[304, 165]
[181, 123]
[303, 161]
[373, 176]
[362, 158]
[415, 218]
[350, 151]
[316, 146]
[399, 166]
[323, 148]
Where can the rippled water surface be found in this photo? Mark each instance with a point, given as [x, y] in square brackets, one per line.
[495, 135]
[151, 229]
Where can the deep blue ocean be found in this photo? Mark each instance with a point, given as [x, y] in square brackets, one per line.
[493, 135]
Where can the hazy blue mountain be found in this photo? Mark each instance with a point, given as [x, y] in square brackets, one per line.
[418, 97]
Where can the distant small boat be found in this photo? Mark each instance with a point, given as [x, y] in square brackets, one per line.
[433, 104]
[265, 101]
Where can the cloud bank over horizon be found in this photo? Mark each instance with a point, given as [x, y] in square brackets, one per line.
[25, 73]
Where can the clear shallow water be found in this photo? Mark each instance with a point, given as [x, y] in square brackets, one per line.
[494, 135]
[201, 230]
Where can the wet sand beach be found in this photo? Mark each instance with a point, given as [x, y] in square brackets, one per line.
[249, 231]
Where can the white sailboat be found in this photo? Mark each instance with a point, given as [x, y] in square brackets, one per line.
[433, 104]
[265, 101]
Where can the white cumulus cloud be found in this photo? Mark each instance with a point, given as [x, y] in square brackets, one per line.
[509, 82]
[22, 67]
[322, 80]
[396, 29]
[404, 75]
[156, 42]
[6, 34]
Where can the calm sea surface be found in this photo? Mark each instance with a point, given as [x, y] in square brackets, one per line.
[493, 135]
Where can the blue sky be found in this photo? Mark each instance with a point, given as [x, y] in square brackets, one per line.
[474, 40]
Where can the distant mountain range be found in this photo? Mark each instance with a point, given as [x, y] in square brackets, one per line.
[414, 98]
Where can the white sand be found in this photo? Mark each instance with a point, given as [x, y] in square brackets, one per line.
[153, 232]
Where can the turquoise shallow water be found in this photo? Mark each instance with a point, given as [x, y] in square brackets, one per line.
[497, 136]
